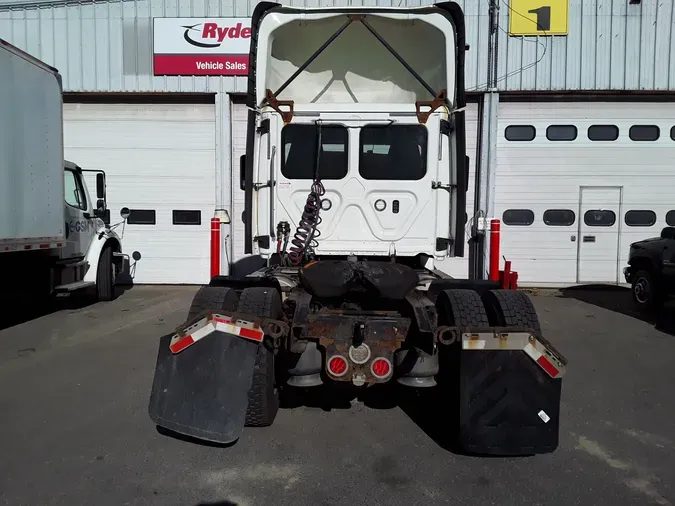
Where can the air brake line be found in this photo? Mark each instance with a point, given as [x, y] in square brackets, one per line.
[305, 238]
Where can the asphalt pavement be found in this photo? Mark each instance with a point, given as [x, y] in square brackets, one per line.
[75, 430]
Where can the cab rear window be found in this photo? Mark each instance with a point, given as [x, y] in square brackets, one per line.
[393, 152]
[300, 143]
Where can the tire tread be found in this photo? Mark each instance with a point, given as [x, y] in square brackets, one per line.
[263, 398]
[105, 287]
[464, 308]
[511, 308]
[210, 298]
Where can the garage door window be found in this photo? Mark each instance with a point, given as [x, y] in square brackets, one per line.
[561, 133]
[642, 218]
[300, 143]
[559, 217]
[670, 218]
[185, 217]
[644, 133]
[603, 132]
[599, 218]
[393, 152]
[518, 217]
[141, 217]
[520, 133]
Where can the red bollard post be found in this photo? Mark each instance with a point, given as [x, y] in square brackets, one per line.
[215, 247]
[494, 249]
[506, 275]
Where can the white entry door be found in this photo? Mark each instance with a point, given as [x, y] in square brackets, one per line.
[599, 228]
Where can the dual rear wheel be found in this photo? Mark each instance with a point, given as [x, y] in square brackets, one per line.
[263, 397]
[500, 393]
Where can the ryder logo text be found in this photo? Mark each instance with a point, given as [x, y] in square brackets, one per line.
[208, 35]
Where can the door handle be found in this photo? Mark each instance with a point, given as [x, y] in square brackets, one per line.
[589, 238]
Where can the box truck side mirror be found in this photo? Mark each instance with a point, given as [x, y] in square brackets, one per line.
[100, 186]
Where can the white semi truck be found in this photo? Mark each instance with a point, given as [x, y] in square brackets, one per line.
[54, 238]
[357, 143]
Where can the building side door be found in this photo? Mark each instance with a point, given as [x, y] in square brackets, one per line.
[598, 240]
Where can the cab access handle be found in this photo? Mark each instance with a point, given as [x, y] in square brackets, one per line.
[242, 172]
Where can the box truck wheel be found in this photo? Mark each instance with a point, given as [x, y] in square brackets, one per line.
[105, 276]
[263, 397]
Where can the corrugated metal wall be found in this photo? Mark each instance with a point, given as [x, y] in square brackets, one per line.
[107, 46]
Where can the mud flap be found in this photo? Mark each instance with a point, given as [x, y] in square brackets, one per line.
[510, 390]
[202, 392]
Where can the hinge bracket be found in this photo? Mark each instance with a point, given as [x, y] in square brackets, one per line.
[437, 185]
[260, 186]
[447, 127]
[264, 127]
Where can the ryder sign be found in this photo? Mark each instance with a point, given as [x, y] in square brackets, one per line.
[201, 46]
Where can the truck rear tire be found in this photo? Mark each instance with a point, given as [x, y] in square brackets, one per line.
[263, 397]
[462, 308]
[510, 308]
[105, 279]
[212, 298]
[504, 392]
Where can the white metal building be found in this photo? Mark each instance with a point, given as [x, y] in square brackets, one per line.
[574, 148]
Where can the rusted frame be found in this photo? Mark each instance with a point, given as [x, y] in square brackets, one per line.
[335, 332]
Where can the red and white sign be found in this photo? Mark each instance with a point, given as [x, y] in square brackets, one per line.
[201, 46]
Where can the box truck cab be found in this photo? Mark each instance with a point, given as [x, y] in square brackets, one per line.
[54, 236]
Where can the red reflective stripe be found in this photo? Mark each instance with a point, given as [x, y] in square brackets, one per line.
[27, 246]
[547, 366]
[180, 345]
[43, 246]
[256, 335]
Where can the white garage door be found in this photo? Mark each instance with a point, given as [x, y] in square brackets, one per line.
[456, 267]
[160, 163]
[577, 182]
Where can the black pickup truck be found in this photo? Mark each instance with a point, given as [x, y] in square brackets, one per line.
[651, 269]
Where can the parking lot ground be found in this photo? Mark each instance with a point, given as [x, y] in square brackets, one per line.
[75, 430]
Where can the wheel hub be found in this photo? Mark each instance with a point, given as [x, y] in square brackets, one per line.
[641, 290]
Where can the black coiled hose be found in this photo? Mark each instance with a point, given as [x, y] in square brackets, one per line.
[304, 241]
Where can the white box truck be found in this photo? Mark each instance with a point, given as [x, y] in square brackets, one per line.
[54, 239]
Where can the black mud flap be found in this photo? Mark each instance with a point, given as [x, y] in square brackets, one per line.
[202, 392]
[508, 404]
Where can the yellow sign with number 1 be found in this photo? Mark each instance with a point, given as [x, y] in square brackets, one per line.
[538, 17]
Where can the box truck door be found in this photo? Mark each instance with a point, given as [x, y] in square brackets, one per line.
[79, 229]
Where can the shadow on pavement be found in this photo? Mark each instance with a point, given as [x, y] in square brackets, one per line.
[427, 408]
[18, 312]
[217, 503]
[619, 299]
